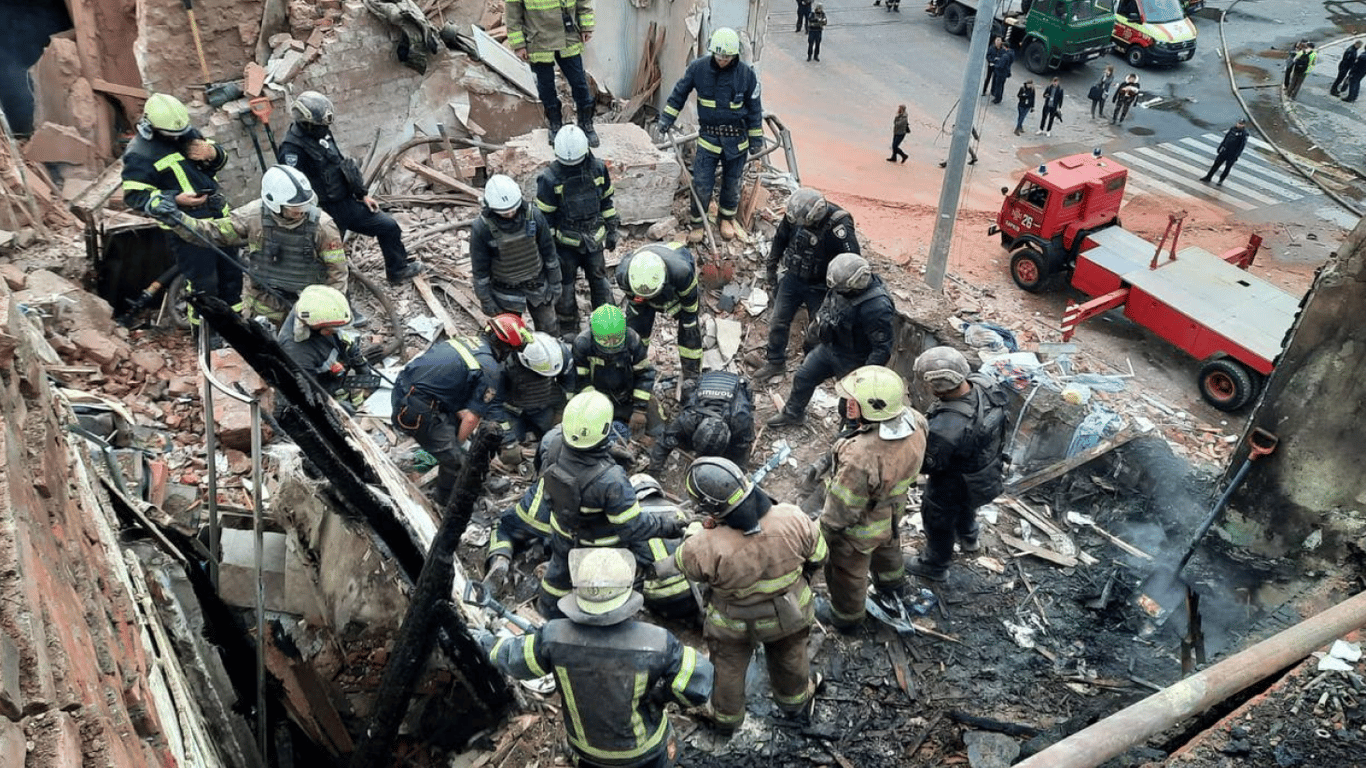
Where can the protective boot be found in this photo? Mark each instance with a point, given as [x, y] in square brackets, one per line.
[586, 123]
[769, 371]
[556, 120]
[786, 419]
[727, 229]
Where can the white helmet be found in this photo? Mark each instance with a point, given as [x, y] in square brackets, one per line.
[544, 355]
[285, 186]
[501, 194]
[571, 145]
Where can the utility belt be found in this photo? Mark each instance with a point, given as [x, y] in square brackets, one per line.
[785, 609]
[525, 285]
[411, 407]
[723, 130]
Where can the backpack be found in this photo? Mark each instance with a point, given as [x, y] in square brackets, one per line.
[990, 419]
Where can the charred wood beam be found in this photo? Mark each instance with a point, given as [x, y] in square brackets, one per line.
[988, 724]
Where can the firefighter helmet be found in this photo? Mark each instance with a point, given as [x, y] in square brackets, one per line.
[646, 485]
[646, 272]
[712, 436]
[285, 186]
[322, 306]
[717, 485]
[509, 329]
[501, 194]
[311, 108]
[587, 420]
[604, 580]
[806, 206]
[608, 326]
[571, 145]
[878, 390]
[543, 355]
[167, 114]
[849, 273]
[725, 42]
[942, 368]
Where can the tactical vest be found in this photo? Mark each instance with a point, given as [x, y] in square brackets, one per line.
[327, 164]
[989, 419]
[715, 392]
[517, 259]
[612, 374]
[288, 260]
[580, 203]
[565, 489]
[530, 390]
[802, 255]
[838, 319]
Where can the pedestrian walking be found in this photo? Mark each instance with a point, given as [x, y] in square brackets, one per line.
[1349, 58]
[1100, 92]
[803, 11]
[1125, 96]
[1230, 149]
[901, 125]
[993, 53]
[815, 28]
[1024, 102]
[1000, 73]
[1299, 68]
[1354, 78]
[1052, 107]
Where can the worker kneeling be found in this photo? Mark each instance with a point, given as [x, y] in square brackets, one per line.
[313, 335]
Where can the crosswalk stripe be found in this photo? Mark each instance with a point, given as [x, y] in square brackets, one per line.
[1143, 183]
[1242, 171]
[1263, 165]
[1253, 140]
[1167, 179]
[1196, 172]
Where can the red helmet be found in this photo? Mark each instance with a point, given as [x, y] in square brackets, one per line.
[508, 329]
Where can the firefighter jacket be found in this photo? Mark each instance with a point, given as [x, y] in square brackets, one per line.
[157, 166]
[286, 258]
[326, 358]
[963, 455]
[806, 251]
[514, 258]
[723, 395]
[678, 297]
[614, 682]
[626, 376]
[454, 375]
[759, 587]
[332, 175]
[523, 390]
[729, 112]
[577, 202]
[869, 477]
[858, 326]
[547, 27]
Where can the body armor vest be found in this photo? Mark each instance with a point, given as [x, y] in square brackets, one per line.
[802, 254]
[611, 375]
[530, 390]
[580, 205]
[288, 259]
[838, 318]
[329, 177]
[716, 392]
[518, 259]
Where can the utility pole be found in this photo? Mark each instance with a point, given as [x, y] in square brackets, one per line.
[952, 190]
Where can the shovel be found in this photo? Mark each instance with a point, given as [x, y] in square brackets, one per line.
[1164, 590]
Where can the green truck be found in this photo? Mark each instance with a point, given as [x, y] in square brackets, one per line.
[1049, 34]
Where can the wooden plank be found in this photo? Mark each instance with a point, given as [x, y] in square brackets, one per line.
[1121, 543]
[1071, 462]
[462, 296]
[104, 86]
[437, 177]
[438, 309]
[1039, 552]
[1038, 521]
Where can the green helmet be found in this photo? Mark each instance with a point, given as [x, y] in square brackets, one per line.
[587, 419]
[725, 42]
[166, 114]
[322, 306]
[608, 324]
[646, 272]
[879, 392]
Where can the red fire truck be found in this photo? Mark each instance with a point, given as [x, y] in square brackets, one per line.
[1063, 219]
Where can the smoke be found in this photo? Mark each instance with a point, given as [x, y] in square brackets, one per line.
[23, 36]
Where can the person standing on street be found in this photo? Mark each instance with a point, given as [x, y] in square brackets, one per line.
[575, 194]
[513, 258]
[1290, 62]
[1052, 107]
[1125, 96]
[1354, 78]
[815, 28]
[1024, 104]
[547, 34]
[1230, 149]
[1302, 64]
[310, 146]
[1100, 92]
[993, 53]
[1349, 58]
[1000, 73]
[901, 125]
[803, 11]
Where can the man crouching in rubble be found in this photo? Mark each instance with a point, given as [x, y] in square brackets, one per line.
[312, 336]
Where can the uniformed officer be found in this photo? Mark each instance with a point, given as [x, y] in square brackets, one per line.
[513, 258]
[610, 358]
[550, 33]
[873, 466]
[854, 327]
[717, 419]
[575, 194]
[534, 385]
[662, 279]
[314, 335]
[813, 231]
[730, 122]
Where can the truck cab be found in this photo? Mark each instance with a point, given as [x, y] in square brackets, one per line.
[1049, 34]
[1152, 31]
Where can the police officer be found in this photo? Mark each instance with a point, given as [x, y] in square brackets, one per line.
[717, 419]
[441, 395]
[963, 457]
[873, 465]
[170, 166]
[575, 194]
[549, 33]
[610, 358]
[310, 146]
[512, 257]
[730, 121]
[813, 231]
[615, 675]
[534, 385]
[662, 279]
[854, 327]
[313, 335]
[757, 556]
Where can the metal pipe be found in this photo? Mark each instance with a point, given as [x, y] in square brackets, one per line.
[1133, 725]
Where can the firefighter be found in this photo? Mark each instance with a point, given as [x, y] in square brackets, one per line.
[512, 257]
[813, 231]
[730, 121]
[575, 194]
[615, 675]
[610, 358]
[592, 501]
[717, 419]
[547, 34]
[313, 335]
[169, 165]
[660, 278]
[534, 384]
[440, 395]
[873, 465]
[757, 557]
[853, 327]
[310, 146]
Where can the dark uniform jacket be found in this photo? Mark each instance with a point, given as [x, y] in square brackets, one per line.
[679, 293]
[959, 447]
[325, 357]
[806, 251]
[721, 394]
[455, 375]
[577, 203]
[861, 326]
[627, 377]
[729, 112]
[157, 165]
[333, 176]
[1234, 141]
[486, 234]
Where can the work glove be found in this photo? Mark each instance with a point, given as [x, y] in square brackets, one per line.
[756, 145]
[552, 292]
[662, 129]
[671, 527]
[485, 638]
[495, 578]
[611, 242]
[163, 208]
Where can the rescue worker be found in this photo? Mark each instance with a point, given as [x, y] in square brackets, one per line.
[313, 335]
[575, 194]
[963, 460]
[873, 465]
[534, 385]
[615, 675]
[170, 162]
[310, 146]
[660, 278]
[853, 327]
[440, 396]
[547, 34]
[757, 556]
[593, 503]
[717, 419]
[813, 231]
[610, 358]
[730, 121]
[512, 257]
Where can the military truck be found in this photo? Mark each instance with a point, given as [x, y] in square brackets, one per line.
[1049, 34]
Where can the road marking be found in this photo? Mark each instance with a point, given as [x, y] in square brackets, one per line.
[1166, 181]
[1175, 168]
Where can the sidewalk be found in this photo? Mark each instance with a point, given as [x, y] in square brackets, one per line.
[1335, 126]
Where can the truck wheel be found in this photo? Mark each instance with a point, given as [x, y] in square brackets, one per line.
[1136, 56]
[1227, 384]
[1028, 270]
[955, 19]
[1036, 57]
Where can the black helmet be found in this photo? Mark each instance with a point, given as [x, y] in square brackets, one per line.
[717, 485]
[312, 108]
[711, 437]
